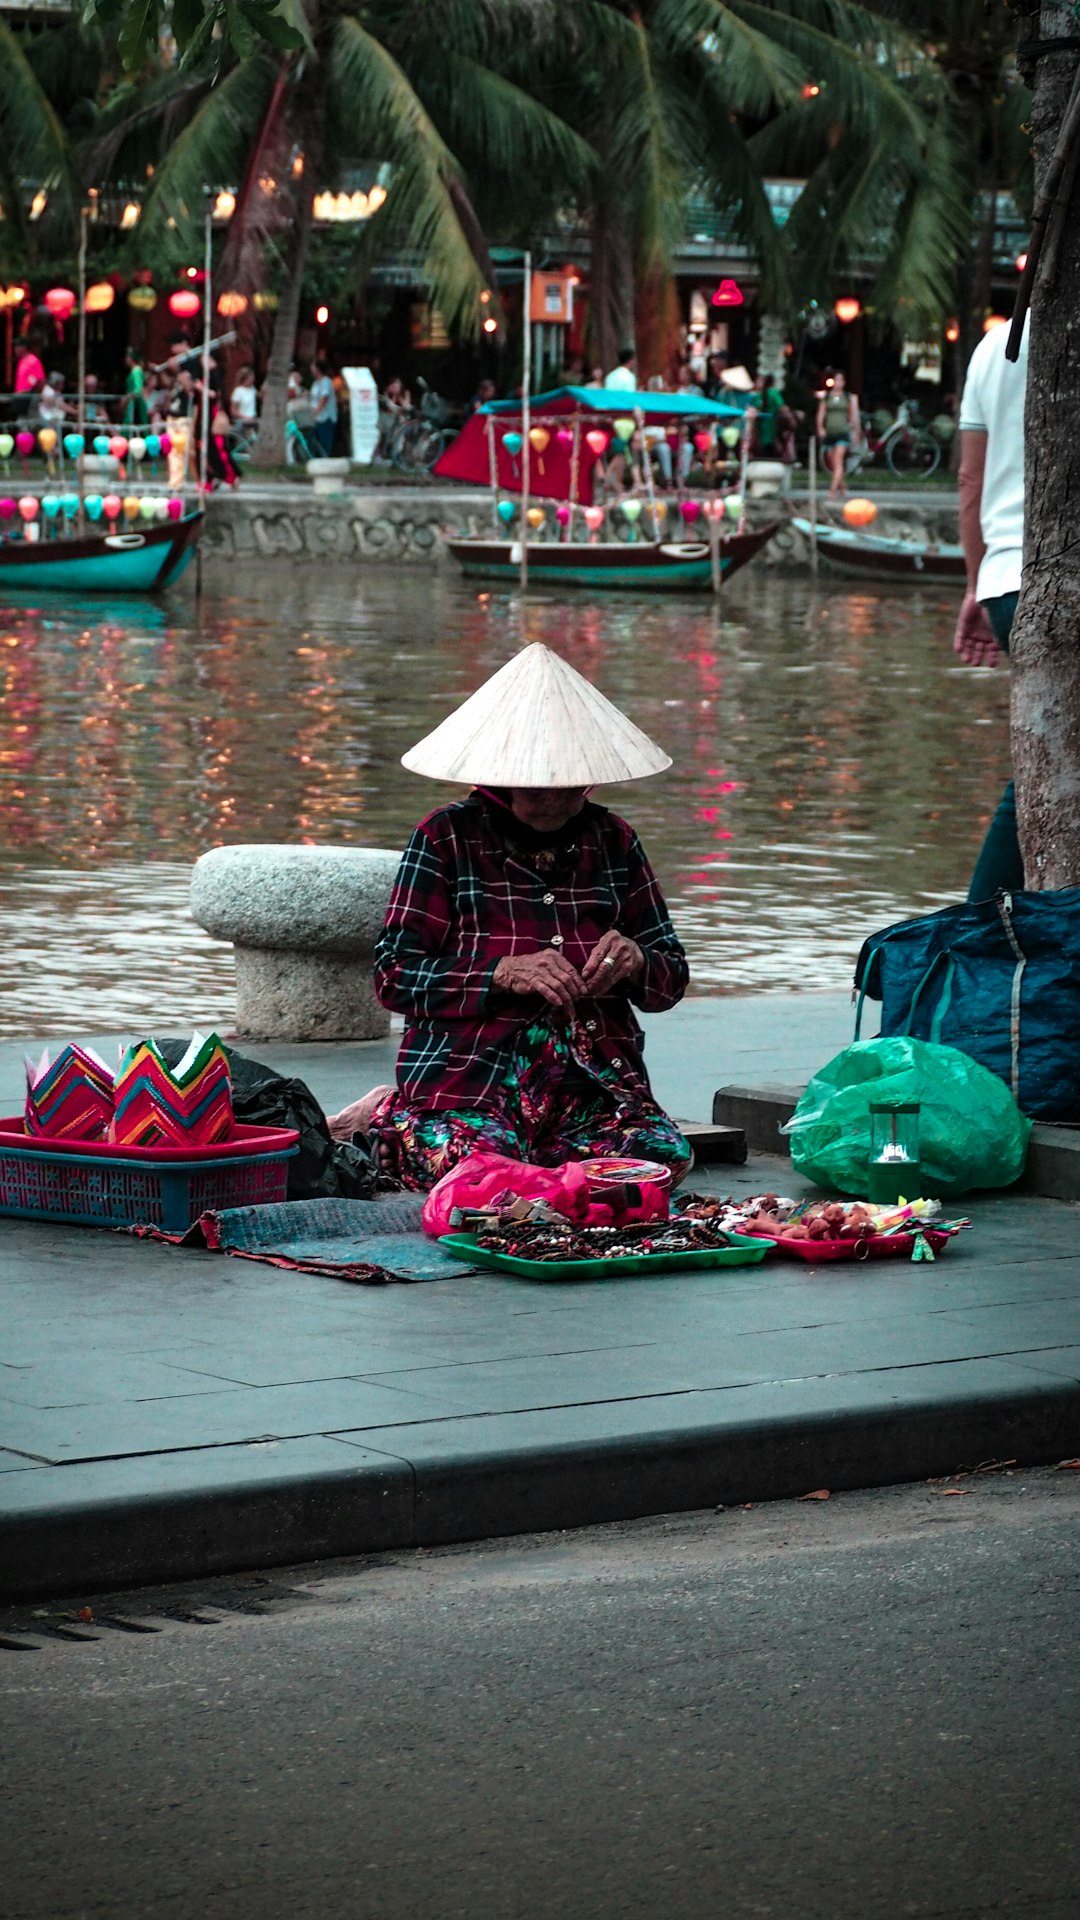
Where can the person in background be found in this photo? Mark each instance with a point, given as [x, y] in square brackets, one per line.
[486, 391]
[220, 470]
[29, 371]
[95, 413]
[136, 412]
[991, 486]
[715, 368]
[244, 399]
[623, 378]
[838, 427]
[324, 406]
[595, 381]
[53, 409]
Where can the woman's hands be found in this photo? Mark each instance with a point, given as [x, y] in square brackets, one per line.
[546, 973]
[614, 959]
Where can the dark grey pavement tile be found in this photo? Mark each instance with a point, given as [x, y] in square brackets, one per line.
[1042, 1323]
[18, 1462]
[91, 1378]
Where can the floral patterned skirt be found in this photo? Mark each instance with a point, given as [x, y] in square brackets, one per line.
[551, 1110]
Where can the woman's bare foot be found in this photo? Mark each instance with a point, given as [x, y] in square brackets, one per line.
[357, 1117]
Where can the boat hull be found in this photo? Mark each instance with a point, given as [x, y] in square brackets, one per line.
[666, 566]
[142, 561]
[873, 557]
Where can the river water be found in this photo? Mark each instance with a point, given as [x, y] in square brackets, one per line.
[834, 763]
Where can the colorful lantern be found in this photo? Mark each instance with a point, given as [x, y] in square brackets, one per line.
[728, 294]
[506, 511]
[47, 438]
[859, 512]
[538, 438]
[624, 427]
[7, 509]
[713, 509]
[7, 446]
[99, 297]
[535, 516]
[137, 448]
[12, 296]
[142, 299]
[690, 509]
[565, 438]
[60, 302]
[161, 507]
[70, 504]
[847, 310]
[594, 518]
[131, 507]
[25, 444]
[631, 510]
[659, 510]
[28, 507]
[165, 443]
[733, 506]
[266, 303]
[185, 303]
[703, 440]
[50, 506]
[176, 508]
[153, 445]
[118, 447]
[74, 445]
[232, 305]
[513, 444]
[94, 506]
[112, 506]
[101, 445]
[562, 514]
[730, 436]
[596, 439]
[148, 506]
[993, 320]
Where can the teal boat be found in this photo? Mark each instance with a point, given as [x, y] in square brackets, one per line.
[140, 560]
[664, 565]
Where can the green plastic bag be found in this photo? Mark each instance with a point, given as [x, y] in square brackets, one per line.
[971, 1131]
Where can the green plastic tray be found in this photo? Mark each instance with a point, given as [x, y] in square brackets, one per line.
[743, 1252]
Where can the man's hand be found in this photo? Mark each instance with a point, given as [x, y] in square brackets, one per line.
[614, 959]
[547, 973]
[974, 637]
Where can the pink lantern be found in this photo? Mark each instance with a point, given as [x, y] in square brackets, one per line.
[597, 440]
[713, 509]
[165, 443]
[176, 508]
[562, 514]
[28, 507]
[24, 443]
[112, 506]
[60, 302]
[702, 440]
[690, 510]
[7, 509]
[118, 447]
[185, 303]
[564, 438]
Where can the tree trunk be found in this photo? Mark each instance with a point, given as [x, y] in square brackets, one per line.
[269, 449]
[611, 286]
[1045, 641]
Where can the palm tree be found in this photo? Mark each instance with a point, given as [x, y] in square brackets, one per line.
[35, 154]
[366, 86]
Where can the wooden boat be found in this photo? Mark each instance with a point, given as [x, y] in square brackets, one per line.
[870, 556]
[670, 565]
[136, 560]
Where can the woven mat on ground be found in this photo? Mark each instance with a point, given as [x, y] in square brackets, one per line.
[368, 1242]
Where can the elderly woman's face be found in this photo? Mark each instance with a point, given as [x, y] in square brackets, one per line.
[546, 809]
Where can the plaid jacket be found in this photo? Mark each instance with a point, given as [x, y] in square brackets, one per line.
[465, 897]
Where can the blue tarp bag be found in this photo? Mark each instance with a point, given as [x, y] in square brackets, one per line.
[1000, 979]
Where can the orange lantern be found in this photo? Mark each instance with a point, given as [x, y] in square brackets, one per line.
[538, 438]
[859, 513]
[60, 302]
[847, 310]
[535, 516]
[99, 297]
[185, 303]
[952, 332]
[993, 320]
[232, 305]
[142, 299]
[12, 296]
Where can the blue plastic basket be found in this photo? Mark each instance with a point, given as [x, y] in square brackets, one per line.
[104, 1186]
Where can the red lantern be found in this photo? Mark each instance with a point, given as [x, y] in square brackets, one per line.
[185, 304]
[60, 302]
[728, 294]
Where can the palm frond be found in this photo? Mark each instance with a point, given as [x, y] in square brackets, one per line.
[34, 147]
[212, 150]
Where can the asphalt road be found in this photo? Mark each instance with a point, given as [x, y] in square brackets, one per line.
[861, 1707]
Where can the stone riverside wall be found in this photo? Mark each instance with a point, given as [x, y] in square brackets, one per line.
[412, 523]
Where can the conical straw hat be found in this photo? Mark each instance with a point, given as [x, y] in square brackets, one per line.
[536, 723]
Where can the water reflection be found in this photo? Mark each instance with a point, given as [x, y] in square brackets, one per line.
[833, 764]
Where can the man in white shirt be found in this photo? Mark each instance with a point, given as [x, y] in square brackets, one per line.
[244, 398]
[623, 378]
[991, 484]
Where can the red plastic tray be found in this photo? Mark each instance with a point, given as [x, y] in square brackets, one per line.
[880, 1246]
[242, 1141]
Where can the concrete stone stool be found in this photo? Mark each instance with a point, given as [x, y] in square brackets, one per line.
[303, 922]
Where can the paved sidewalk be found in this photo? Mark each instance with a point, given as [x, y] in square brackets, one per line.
[166, 1413]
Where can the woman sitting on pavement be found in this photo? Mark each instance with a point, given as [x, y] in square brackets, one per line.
[524, 927]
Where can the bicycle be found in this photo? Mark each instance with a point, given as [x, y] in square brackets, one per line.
[911, 450]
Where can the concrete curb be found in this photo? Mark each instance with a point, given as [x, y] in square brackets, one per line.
[1053, 1163]
[274, 1512]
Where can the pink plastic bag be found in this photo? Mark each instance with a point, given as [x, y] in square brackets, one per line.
[588, 1192]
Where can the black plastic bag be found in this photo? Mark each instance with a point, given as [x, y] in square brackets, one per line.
[323, 1168]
